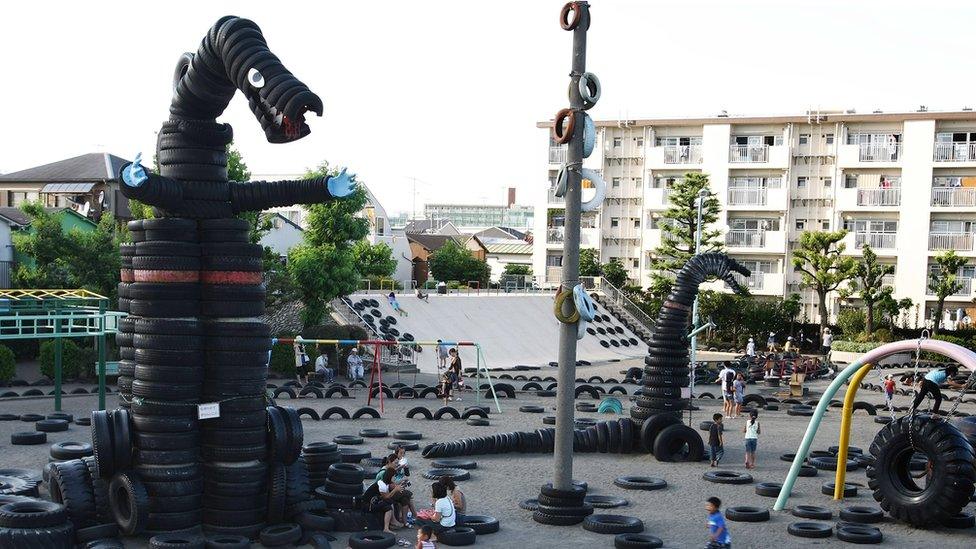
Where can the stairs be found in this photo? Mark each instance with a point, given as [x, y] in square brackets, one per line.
[390, 359]
[623, 308]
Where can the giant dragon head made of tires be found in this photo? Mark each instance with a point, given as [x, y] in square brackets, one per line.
[192, 283]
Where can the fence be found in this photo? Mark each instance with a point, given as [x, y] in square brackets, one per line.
[745, 239]
[615, 295]
[954, 152]
[747, 196]
[953, 196]
[749, 153]
[683, 154]
[6, 274]
[962, 242]
[879, 197]
[869, 152]
[875, 240]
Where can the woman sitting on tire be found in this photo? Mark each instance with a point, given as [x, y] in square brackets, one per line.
[457, 498]
[392, 494]
[443, 516]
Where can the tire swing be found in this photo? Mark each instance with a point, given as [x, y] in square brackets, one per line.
[930, 499]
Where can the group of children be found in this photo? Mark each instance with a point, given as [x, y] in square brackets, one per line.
[716, 439]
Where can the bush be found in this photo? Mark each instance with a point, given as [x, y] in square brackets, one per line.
[8, 364]
[283, 356]
[76, 361]
[855, 346]
[851, 322]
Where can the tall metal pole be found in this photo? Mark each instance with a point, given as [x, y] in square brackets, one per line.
[702, 195]
[563, 450]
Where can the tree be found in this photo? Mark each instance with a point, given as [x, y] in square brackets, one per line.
[374, 260]
[615, 273]
[679, 223]
[944, 281]
[868, 284]
[72, 259]
[454, 262]
[517, 269]
[823, 266]
[323, 266]
[589, 262]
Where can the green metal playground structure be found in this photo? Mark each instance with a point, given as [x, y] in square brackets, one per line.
[59, 314]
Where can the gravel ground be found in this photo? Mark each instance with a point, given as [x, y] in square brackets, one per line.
[674, 514]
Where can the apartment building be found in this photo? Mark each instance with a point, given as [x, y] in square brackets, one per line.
[904, 183]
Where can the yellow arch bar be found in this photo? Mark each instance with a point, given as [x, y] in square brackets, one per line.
[845, 429]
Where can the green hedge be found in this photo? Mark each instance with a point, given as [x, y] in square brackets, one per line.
[283, 356]
[8, 364]
[76, 361]
[855, 346]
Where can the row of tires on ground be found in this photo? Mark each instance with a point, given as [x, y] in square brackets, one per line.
[38, 392]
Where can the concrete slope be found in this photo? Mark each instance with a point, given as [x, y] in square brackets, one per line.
[512, 329]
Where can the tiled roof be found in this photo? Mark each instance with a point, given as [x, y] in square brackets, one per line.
[87, 167]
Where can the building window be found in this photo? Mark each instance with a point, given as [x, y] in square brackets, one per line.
[637, 223]
[801, 224]
[829, 138]
[801, 182]
[828, 181]
[824, 225]
[616, 182]
[639, 141]
[637, 182]
[636, 263]
[804, 139]
[554, 261]
[617, 141]
[850, 181]
[614, 222]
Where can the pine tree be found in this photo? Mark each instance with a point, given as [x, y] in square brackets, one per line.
[679, 223]
[820, 260]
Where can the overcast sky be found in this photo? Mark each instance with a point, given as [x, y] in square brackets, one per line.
[449, 91]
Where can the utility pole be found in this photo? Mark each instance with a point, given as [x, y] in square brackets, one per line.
[563, 450]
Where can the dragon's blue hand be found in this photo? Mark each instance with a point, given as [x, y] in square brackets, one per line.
[134, 175]
[342, 185]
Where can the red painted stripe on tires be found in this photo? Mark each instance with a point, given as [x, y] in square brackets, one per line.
[166, 276]
[231, 277]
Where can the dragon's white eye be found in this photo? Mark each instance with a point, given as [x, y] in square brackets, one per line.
[255, 79]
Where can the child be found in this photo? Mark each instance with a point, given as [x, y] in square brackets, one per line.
[716, 443]
[446, 383]
[751, 430]
[423, 538]
[889, 389]
[718, 533]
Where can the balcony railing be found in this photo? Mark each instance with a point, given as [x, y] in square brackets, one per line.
[554, 274]
[879, 197]
[964, 291]
[879, 153]
[752, 282]
[888, 281]
[621, 233]
[749, 153]
[954, 152]
[745, 239]
[954, 196]
[556, 234]
[875, 240]
[553, 199]
[666, 196]
[557, 155]
[960, 242]
[747, 196]
[683, 154]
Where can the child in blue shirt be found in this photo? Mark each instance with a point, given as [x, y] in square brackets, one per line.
[718, 533]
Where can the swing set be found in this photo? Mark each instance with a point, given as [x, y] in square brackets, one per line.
[376, 373]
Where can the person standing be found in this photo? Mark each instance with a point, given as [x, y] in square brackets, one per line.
[828, 340]
[443, 352]
[889, 389]
[454, 368]
[788, 348]
[301, 364]
[751, 430]
[355, 363]
[718, 532]
[726, 377]
[716, 440]
[739, 388]
[751, 348]
[771, 342]
[446, 385]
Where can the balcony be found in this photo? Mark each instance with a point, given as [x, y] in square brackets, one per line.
[869, 152]
[556, 235]
[757, 283]
[747, 196]
[622, 233]
[888, 281]
[954, 197]
[960, 242]
[745, 239]
[589, 236]
[879, 197]
[954, 152]
[683, 154]
[749, 153]
[554, 275]
[877, 241]
[558, 155]
[966, 290]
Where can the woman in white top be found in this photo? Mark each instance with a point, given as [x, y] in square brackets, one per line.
[752, 431]
[444, 516]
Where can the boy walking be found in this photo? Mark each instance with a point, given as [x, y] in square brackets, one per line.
[718, 532]
[716, 440]
[889, 389]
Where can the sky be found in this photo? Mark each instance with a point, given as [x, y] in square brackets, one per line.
[448, 92]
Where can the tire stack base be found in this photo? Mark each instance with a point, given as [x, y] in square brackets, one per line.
[562, 507]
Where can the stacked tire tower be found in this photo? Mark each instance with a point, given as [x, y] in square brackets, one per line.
[193, 286]
[657, 410]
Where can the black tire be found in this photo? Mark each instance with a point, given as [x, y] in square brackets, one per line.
[481, 524]
[605, 502]
[727, 477]
[852, 533]
[177, 541]
[810, 530]
[769, 489]
[950, 484]
[556, 520]
[454, 474]
[636, 541]
[280, 534]
[652, 428]
[745, 513]
[829, 463]
[51, 425]
[457, 536]
[850, 490]
[372, 539]
[27, 438]
[613, 524]
[335, 410]
[861, 514]
[54, 537]
[422, 410]
[639, 483]
[70, 486]
[32, 514]
[407, 435]
[678, 443]
[814, 512]
[366, 411]
[446, 410]
[531, 504]
[129, 502]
